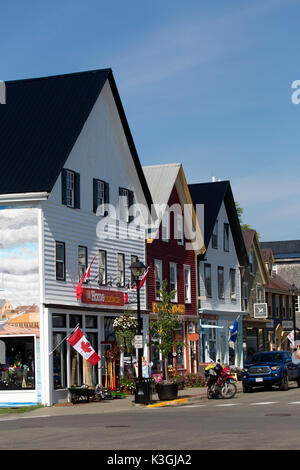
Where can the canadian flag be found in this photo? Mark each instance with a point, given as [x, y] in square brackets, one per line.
[142, 281]
[79, 289]
[83, 347]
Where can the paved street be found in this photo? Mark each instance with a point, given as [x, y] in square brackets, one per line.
[259, 420]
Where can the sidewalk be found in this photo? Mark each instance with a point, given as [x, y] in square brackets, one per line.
[186, 396]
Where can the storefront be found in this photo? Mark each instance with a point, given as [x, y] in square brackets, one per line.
[67, 368]
[20, 375]
[184, 357]
[255, 337]
[214, 338]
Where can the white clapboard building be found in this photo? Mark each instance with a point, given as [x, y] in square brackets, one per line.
[69, 181]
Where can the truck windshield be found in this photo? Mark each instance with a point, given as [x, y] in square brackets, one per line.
[272, 357]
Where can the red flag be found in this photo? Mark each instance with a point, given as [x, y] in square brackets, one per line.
[83, 347]
[86, 275]
[144, 277]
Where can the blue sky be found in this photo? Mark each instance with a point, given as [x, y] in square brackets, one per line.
[205, 83]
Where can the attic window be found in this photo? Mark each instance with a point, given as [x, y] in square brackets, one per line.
[226, 237]
[70, 188]
[214, 240]
[125, 202]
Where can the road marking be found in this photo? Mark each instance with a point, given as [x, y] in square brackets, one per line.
[294, 403]
[14, 418]
[229, 404]
[265, 403]
[192, 406]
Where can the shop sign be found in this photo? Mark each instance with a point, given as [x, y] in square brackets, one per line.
[193, 337]
[207, 316]
[287, 325]
[260, 310]
[103, 297]
[176, 308]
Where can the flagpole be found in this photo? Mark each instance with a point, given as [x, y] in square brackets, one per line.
[66, 337]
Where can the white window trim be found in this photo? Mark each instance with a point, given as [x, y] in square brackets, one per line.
[180, 229]
[158, 262]
[165, 227]
[187, 267]
[123, 205]
[174, 265]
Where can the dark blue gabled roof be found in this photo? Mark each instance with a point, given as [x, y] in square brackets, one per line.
[212, 195]
[40, 123]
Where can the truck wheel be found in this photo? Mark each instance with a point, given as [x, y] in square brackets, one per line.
[284, 384]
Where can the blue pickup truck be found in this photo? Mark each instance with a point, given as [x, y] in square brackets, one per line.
[271, 368]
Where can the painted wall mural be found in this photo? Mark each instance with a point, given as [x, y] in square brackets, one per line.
[19, 299]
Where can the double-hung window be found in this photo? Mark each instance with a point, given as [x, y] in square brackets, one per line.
[214, 238]
[70, 188]
[102, 267]
[207, 279]
[173, 280]
[158, 277]
[100, 197]
[221, 282]
[60, 261]
[232, 284]
[226, 237]
[165, 227]
[245, 295]
[121, 270]
[126, 198]
[251, 269]
[180, 229]
[187, 284]
[82, 261]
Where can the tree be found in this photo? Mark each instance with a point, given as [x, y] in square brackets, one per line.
[240, 211]
[162, 329]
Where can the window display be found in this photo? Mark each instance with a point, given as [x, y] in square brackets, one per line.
[17, 367]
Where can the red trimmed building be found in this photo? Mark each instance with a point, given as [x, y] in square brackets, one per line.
[171, 255]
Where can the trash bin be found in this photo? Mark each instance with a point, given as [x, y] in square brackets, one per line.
[143, 391]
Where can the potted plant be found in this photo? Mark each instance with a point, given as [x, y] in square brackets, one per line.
[162, 337]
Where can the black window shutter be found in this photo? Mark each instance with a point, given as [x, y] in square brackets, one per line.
[106, 196]
[77, 190]
[94, 195]
[64, 187]
[130, 203]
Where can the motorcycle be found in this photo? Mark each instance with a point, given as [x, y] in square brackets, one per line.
[220, 382]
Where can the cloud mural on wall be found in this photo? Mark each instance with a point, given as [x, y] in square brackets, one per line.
[19, 268]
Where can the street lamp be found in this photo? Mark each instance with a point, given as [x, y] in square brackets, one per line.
[294, 291]
[137, 270]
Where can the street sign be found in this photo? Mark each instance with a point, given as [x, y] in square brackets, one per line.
[260, 310]
[138, 342]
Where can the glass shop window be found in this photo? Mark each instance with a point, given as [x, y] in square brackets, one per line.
[59, 361]
[17, 363]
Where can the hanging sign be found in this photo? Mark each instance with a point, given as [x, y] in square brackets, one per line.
[260, 310]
